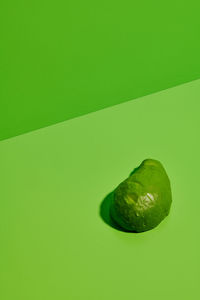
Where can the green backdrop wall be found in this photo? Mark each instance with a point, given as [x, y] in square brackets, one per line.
[62, 59]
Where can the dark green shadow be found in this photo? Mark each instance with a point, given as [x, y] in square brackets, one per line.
[104, 212]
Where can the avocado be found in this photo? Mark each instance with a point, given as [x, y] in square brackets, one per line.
[144, 199]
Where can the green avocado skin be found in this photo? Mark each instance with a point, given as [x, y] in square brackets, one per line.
[143, 200]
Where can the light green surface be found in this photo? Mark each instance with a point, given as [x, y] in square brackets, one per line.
[62, 59]
[54, 244]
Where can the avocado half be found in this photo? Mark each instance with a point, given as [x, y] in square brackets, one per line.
[144, 199]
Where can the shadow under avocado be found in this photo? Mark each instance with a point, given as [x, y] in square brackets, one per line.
[104, 211]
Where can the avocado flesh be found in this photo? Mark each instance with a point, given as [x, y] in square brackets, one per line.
[143, 200]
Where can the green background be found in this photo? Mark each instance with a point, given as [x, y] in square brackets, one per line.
[54, 243]
[62, 59]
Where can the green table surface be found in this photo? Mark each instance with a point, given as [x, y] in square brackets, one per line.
[56, 240]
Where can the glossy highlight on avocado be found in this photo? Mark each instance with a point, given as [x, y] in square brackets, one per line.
[143, 200]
